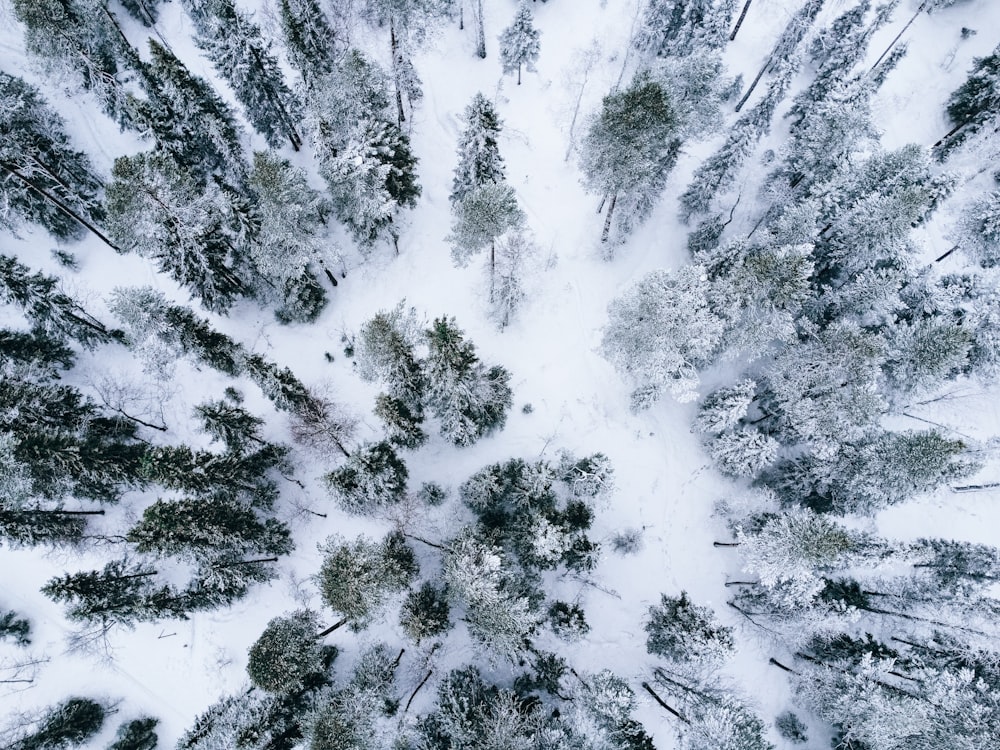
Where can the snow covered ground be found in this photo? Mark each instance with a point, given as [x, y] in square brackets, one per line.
[665, 485]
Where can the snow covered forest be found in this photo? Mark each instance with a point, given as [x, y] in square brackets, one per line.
[500, 374]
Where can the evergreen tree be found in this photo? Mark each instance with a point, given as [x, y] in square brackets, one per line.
[234, 426]
[121, 593]
[189, 120]
[425, 613]
[519, 43]
[630, 145]
[83, 38]
[309, 39]
[206, 529]
[662, 331]
[479, 160]
[372, 478]
[684, 632]
[507, 273]
[243, 58]
[386, 349]
[145, 11]
[357, 577]
[291, 239]
[15, 627]
[978, 230]
[44, 179]
[48, 309]
[158, 210]
[137, 734]
[973, 104]
[675, 28]
[402, 425]
[470, 400]
[481, 217]
[286, 653]
[69, 724]
[743, 453]
[726, 407]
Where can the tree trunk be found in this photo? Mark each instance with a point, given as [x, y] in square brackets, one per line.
[71, 512]
[896, 39]
[394, 49]
[663, 703]
[950, 133]
[725, 544]
[61, 206]
[493, 267]
[519, 74]
[330, 276]
[417, 690]
[239, 563]
[338, 624]
[779, 665]
[753, 85]
[942, 257]
[607, 219]
[480, 31]
[739, 21]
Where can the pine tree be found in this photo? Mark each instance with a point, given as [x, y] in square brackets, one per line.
[482, 216]
[402, 425]
[675, 28]
[69, 724]
[726, 407]
[145, 11]
[43, 179]
[682, 631]
[978, 230]
[286, 653]
[519, 43]
[83, 38]
[189, 120]
[207, 529]
[49, 310]
[630, 145]
[121, 593]
[470, 400]
[973, 104]
[158, 210]
[309, 39]
[372, 478]
[137, 734]
[508, 270]
[479, 160]
[291, 240]
[386, 349]
[425, 613]
[15, 628]
[244, 59]
[233, 425]
[661, 331]
[357, 577]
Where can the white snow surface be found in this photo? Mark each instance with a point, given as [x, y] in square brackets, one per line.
[665, 484]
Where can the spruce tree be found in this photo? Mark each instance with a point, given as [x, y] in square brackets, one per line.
[470, 400]
[137, 734]
[675, 28]
[237, 48]
[309, 39]
[479, 159]
[159, 210]
[121, 593]
[519, 43]
[70, 724]
[372, 478]
[286, 653]
[973, 104]
[630, 145]
[43, 179]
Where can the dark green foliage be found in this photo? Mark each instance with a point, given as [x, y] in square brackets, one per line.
[69, 724]
[15, 627]
[237, 48]
[402, 426]
[203, 529]
[679, 27]
[372, 478]
[83, 40]
[960, 568]
[469, 400]
[425, 613]
[286, 653]
[160, 211]
[568, 620]
[791, 727]
[46, 307]
[684, 632]
[42, 178]
[137, 734]
[547, 670]
[975, 103]
[432, 493]
[479, 159]
[145, 11]
[357, 577]
[223, 580]
[309, 40]
[386, 351]
[303, 300]
[234, 426]
[189, 121]
[120, 593]
[36, 348]
[481, 217]
[34, 526]
[517, 502]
